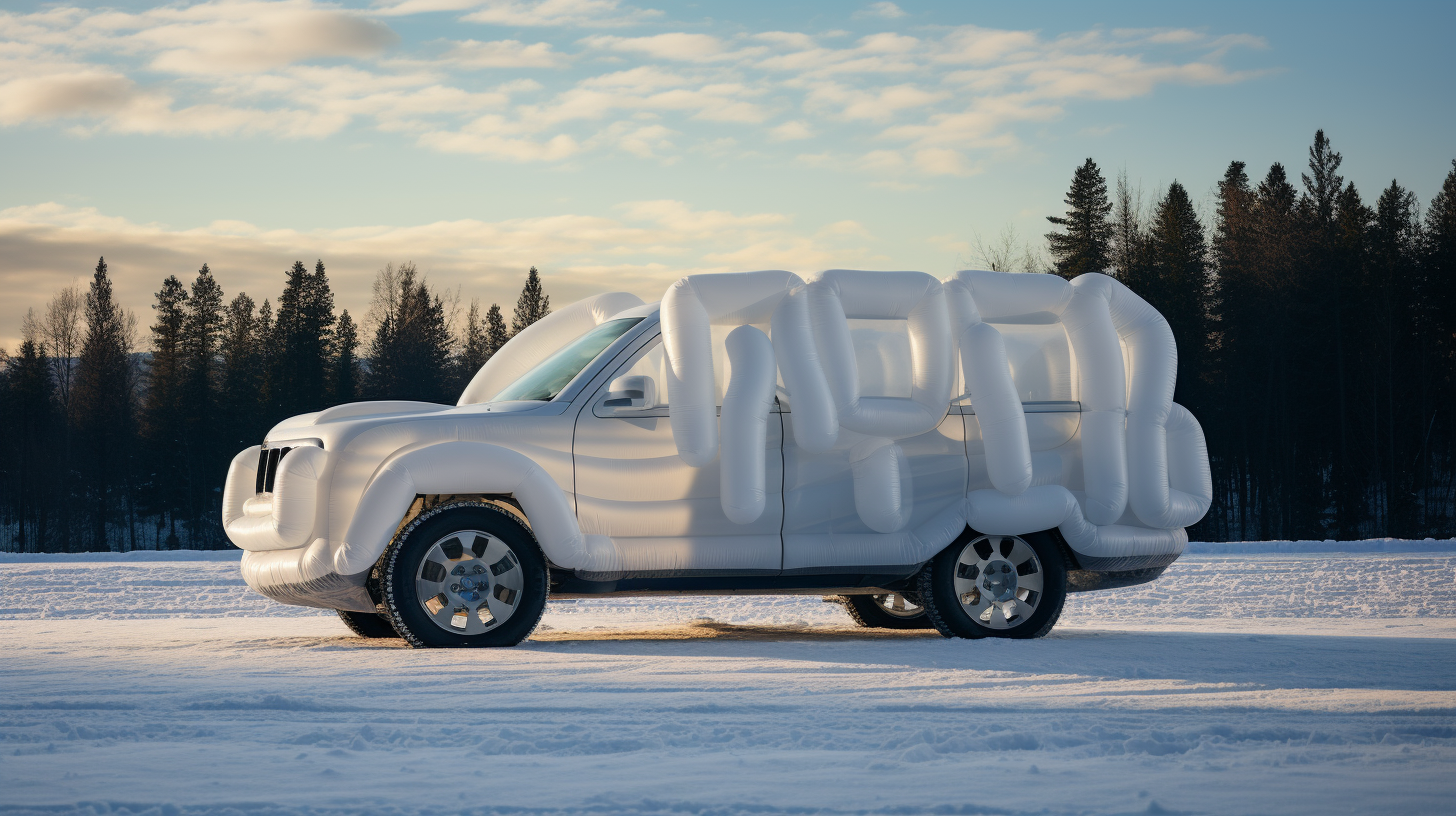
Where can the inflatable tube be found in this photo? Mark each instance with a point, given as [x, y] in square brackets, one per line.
[812, 411]
[817, 358]
[882, 497]
[689, 309]
[998, 408]
[747, 405]
[840, 294]
[540, 340]
[1101, 379]
[1176, 488]
[469, 467]
[287, 520]
[1139, 450]
[1048, 506]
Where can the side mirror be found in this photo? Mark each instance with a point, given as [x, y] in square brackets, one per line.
[636, 391]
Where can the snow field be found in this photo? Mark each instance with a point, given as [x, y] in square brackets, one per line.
[1236, 684]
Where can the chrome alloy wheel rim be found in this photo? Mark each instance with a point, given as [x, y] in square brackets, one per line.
[998, 581]
[469, 582]
[897, 605]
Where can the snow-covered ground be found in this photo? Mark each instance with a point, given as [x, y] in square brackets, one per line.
[1253, 683]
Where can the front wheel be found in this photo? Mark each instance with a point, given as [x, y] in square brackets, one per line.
[465, 574]
[367, 624]
[996, 586]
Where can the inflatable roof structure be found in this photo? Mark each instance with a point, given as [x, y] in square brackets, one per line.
[1144, 472]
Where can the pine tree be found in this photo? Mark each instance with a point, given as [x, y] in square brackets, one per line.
[533, 303]
[474, 348]
[1439, 263]
[1393, 361]
[201, 418]
[103, 406]
[345, 374]
[1323, 183]
[1176, 283]
[496, 334]
[1086, 245]
[242, 347]
[162, 431]
[303, 332]
[31, 417]
[1129, 253]
[409, 355]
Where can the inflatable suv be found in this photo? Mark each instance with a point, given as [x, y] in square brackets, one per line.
[957, 454]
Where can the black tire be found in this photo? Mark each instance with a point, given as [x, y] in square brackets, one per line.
[869, 611]
[403, 570]
[960, 563]
[367, 624]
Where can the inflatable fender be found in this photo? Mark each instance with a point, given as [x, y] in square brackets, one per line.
[469, 467]
[540, 340]
[288, 521]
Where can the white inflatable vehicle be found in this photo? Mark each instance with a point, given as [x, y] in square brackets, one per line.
[957, 454]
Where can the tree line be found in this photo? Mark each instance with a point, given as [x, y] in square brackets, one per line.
[116, 442]
[1316, 340]
[1316, 344]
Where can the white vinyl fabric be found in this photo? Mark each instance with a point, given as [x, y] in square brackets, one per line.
[690, 308]
[816, 353]
[1137, 449]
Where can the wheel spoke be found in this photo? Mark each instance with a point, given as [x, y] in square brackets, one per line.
[1020, 553]
[1032, 582]
[433, 572]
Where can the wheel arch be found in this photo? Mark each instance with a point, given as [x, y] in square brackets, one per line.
[478, 470]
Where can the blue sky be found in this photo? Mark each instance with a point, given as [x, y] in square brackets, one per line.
[618, 145]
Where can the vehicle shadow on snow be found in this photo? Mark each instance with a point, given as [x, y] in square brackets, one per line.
[1203, 658]
[1200, 659]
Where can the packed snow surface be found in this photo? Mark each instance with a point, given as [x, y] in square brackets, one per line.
[1257, 683]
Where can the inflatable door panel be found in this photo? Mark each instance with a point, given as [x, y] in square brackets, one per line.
[662, 513]
[822, 526]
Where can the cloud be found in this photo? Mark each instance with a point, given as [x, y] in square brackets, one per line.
[258, 36]
[502, 54]
[677, 46]
[309, 69]
[559, 13]
[643, 246]
[885, 11]
[88, 93]
[791, 131]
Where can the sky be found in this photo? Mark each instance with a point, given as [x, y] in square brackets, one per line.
[618, 145]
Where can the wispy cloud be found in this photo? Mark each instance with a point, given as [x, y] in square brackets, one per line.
[644, 245]
[308, 69]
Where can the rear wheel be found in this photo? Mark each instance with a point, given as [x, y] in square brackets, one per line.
[367, 624]
[465, 574]
[896, 610]
[996, 586]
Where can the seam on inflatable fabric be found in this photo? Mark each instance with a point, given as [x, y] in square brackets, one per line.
[783, 484]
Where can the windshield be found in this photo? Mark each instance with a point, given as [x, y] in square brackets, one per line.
[552, 374]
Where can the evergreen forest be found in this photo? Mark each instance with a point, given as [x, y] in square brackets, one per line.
[1316, 332]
